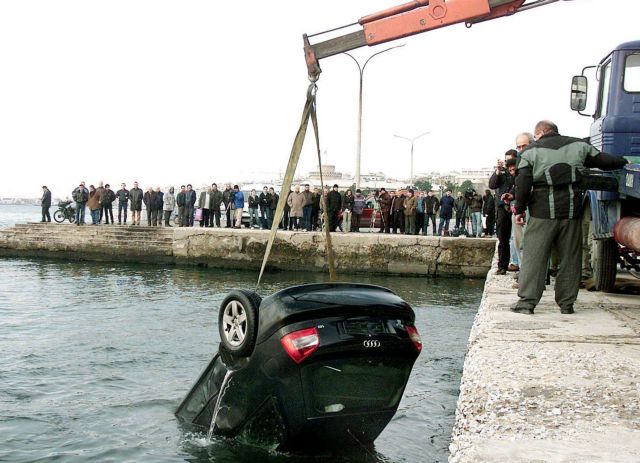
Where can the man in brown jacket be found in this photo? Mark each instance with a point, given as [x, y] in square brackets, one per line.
[385, 208]
[410, 204]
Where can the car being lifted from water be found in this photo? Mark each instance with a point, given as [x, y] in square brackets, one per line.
[312, 366]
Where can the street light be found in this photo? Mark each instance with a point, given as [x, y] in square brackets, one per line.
[361, 69]
[412, 140]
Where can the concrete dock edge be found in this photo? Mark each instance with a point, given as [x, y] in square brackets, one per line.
[550, 387]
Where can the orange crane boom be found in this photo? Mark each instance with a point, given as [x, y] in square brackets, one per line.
[409, 19]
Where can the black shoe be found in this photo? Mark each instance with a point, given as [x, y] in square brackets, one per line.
[500, 271]
[523, 310]
[567, 310]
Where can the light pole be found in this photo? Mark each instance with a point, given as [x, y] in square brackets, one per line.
[361, 70]
[412, 140]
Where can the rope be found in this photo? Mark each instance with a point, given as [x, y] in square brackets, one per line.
[309, 112]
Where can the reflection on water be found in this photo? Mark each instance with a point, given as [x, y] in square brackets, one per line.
[96, 357]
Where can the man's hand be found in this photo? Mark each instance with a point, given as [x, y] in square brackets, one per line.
[521, 219]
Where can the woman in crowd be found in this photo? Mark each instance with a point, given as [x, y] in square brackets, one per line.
[169, 206]
[347, 211]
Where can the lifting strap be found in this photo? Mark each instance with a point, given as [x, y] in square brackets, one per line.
[309, 112]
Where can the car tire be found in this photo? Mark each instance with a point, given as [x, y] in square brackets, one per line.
[238, 322]
[604, 263]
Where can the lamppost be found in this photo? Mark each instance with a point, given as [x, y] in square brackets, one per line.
[412, 140]
[361, 70]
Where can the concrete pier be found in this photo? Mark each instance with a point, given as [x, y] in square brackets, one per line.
[230, 248]
[551, 387]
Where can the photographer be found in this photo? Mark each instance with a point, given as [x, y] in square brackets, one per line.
[503, 180]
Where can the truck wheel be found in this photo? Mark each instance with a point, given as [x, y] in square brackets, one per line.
[238, 322]
[604, 262]
[58, 216]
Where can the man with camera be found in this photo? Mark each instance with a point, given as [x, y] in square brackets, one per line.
[503, 180]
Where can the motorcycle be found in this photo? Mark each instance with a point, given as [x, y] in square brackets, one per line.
[65, 211]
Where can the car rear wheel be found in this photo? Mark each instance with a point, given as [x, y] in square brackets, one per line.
[238, 322]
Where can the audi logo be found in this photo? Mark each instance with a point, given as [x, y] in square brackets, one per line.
[371, 343]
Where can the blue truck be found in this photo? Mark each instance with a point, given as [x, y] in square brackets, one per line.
[614, 209]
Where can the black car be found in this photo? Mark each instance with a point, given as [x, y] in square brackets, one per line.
[312, 366]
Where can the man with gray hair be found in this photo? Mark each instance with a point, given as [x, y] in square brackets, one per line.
[548, 184]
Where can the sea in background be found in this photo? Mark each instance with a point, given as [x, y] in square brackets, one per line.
[97, 356]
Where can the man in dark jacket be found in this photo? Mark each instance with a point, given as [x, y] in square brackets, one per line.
[273, 205]
[446, 212]
[264, 201]
[135, 197]
[149, 200]
[123, 200]
[307, 208]
[227, 197]
[189, 203]
[108, 197]
[489, 211]
[216, 201]
[80, 195]
[334, 203]
[159, 204]
[460, 208]
[45, 202]
[475, 205]
[180, 202]
[548, 184]
[503, 181]
[397, 212]
[431, 206]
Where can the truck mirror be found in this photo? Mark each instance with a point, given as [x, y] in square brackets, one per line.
[579, 87]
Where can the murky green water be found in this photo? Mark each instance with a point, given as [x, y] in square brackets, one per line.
[95, 359]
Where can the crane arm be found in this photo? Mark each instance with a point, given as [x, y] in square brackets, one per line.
[409, 19]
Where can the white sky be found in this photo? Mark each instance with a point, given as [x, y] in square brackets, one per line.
[170, 92]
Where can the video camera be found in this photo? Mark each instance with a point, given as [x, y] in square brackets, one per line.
[469, 193]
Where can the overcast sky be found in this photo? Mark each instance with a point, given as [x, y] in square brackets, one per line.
[170, 92]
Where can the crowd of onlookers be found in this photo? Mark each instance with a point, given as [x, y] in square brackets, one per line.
[403, 211]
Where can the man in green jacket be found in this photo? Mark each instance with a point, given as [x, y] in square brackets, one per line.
[548, 184]
[135, 198]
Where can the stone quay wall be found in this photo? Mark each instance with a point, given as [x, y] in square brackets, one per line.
[231, 248]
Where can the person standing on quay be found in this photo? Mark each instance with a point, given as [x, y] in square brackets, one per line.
[150, 204]
[431, 207]
[159, 204]
[273, 205]
[385, 200]
[264, 200]
[460, 206]
[359, 203]
[100, 191]
[334, 203]
[204, 203]
[347, 211]
[80, 195]
[189, 203]
[446, 212]
[135, 196]
[169, 206]
[108, 197]
[123, 200]
[227, 199]
[409, 204]
[503, 181]
[296, 202]
[94, 205]
[397, 206]
[253, 209]
[216, 201]
[419, 212]
[45, 202]
[180, 201]
[489, 211]
[548, 184]
[307, 209]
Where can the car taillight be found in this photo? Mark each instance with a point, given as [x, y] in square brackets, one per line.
[415, 337]
[300, 344]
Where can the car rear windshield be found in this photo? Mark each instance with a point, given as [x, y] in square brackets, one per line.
[354, 385]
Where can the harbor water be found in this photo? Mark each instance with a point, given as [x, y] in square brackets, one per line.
[96, 357]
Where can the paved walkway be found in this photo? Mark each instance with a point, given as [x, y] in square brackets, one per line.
[551, 387]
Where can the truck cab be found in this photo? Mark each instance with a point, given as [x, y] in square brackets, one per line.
[615, 130]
